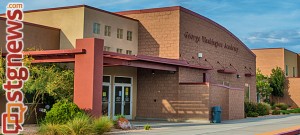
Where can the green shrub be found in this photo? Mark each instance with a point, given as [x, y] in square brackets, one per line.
[297, 110]
[285, 111]
[282, 106]
[147, 127]
[80, 125]
[250, 107]
[263, 109]
[61, 112]
[252, 114]
[276, 112]
[102, 125]
[52, 129]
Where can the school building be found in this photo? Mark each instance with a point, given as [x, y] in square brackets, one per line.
[163, 63]
[288, 61]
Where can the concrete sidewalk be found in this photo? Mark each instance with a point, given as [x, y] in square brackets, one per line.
[247, 126]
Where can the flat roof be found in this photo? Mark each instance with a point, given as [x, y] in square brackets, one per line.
[274, 48]
[162, 9]
[33, 24]
[76, 6]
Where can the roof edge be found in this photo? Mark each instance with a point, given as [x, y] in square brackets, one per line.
[274, 48]
[34, 24]
[217, 25]
[76, 6]
[162, 9]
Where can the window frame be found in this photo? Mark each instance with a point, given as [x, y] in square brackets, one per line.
[119, 49]
[107, 30]
[286, 70]
[96, 28]
[129, 36]
[128, 51]
[120, 33]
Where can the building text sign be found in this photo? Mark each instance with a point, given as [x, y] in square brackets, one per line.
[210, 41]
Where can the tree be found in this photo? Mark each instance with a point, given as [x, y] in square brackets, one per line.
[47, 79]
[277, 82]
[263, 86]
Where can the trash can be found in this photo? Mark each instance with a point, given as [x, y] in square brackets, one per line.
[216, 114]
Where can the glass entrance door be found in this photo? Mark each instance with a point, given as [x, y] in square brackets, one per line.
[106, 100]
[123, 100]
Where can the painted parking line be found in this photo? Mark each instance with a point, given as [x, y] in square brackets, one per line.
[285, 131]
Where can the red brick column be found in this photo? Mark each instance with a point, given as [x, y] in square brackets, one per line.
[88, 75]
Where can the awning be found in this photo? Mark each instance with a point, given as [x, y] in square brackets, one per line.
[113, 59]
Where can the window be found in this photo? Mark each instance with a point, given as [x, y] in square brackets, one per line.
[106, 48]
[286, 70]
[247, 93]
[294, 72]
[129, 35]
[119, 50]
[106, 79]
[128, 52]
[123, 80]
[96, 28]
[107, 30]
[120, 33]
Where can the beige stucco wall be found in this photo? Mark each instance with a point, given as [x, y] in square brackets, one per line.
[290, 59]
[267, 59]
[92, 16]
[39, 37]
[125, 72]
[69, 20]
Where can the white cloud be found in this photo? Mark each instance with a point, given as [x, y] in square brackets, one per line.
[276, 40]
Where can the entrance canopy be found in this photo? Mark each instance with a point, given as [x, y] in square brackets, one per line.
[89, 59]
[113, 59]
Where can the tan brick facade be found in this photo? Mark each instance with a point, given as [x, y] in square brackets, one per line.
[158, 33]
[161, 96]
[292, 93]
[288, 61]
[162, 32]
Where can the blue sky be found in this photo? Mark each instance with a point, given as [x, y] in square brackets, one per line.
[258, 23]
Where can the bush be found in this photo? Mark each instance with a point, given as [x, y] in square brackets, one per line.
[250, 107]
[52, 129]
[252, 114]
[102, 125]
[297, 110]
[147, 127]
[285, 111]
[61, 112]
[282, 106]
[276, 112]
[80, 125]
[263, 109]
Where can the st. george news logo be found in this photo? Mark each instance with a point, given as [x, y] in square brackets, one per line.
[16, 73]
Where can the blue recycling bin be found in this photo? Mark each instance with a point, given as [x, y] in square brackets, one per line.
[216, 114]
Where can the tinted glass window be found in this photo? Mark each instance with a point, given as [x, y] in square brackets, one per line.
[123, 80]
[106, 79]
